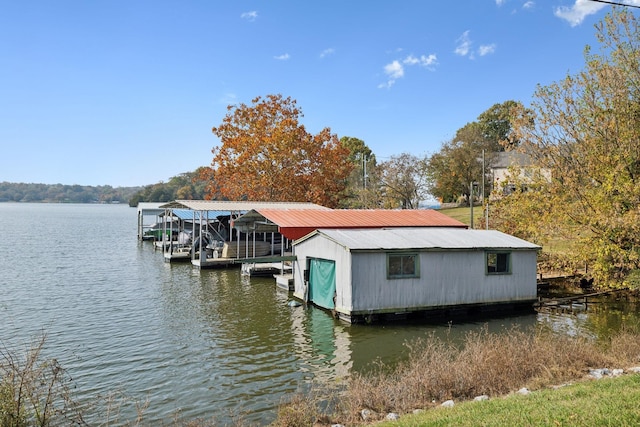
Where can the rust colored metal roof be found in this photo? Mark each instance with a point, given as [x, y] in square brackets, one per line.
[295, 223]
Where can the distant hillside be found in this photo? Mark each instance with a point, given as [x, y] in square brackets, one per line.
[59, 193]
[185, 186]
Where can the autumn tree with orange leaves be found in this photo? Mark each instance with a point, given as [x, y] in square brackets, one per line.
[267, 155]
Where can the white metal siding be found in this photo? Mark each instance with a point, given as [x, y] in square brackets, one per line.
[446, 278]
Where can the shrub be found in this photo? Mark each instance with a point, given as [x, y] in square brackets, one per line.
[483, 364]
[35, 391]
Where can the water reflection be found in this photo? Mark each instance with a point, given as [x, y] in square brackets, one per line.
[599, 318]
[321, 343]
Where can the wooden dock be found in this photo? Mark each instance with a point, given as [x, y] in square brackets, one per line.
[572, 302]
[263, 269]
[178, 255]
[210, 262]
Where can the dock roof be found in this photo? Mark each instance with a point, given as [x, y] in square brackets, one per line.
[234, 206]
[149, 208]
[189, 214]
[294, 223]
[422, 238]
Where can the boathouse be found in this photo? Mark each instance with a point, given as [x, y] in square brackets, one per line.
[374, 274]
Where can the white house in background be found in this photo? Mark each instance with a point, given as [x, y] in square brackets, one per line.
[371, 274]
[507, 163]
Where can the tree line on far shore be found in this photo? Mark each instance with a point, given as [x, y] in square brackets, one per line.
[60, 193]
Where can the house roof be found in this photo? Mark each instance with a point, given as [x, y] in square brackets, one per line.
[229, 206]
[421, 238]
[295, 223]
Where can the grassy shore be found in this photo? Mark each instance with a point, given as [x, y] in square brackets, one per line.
[604, 402]
[485, 364]
[463, 214]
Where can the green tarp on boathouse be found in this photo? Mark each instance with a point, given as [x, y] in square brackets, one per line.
[322, 282]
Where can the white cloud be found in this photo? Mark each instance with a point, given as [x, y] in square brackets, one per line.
[580, 10]
[528, 5]
[424, 61]
[395, 70]
[500, 2]
[583, 8]
[250, 16]
[464, 44]
[464, 47]
[282, 57]
[487, 49]
[327, 52]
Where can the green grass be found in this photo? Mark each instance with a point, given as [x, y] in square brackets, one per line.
[605, 402]
[463, 215]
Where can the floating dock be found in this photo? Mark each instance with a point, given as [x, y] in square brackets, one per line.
[180, 254]
[284, 281]
[248, 264]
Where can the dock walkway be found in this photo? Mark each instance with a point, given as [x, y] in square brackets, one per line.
[209, 262]
[569, 302]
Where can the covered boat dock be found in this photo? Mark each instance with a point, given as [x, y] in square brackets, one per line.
[227, 244]
[146, 210]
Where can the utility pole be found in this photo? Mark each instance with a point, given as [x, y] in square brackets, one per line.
[364, 170]
[364, 179]
[471, 202]
[485, 204]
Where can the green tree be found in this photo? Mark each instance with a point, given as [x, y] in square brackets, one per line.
[496, 128]
[404, 181]
[460, 160]
[458, 164]
[586, 130]
[362, 186]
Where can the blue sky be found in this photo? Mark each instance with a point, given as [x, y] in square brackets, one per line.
[125, 92]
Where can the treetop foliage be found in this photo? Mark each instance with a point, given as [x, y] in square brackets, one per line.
[266, 154]
[458, 164]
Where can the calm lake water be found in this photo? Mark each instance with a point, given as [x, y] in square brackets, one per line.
[203, 344]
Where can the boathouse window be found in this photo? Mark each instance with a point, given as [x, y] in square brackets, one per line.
[498, 262]
[401, 266]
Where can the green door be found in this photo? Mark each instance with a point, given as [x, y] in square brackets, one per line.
[322, 282]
